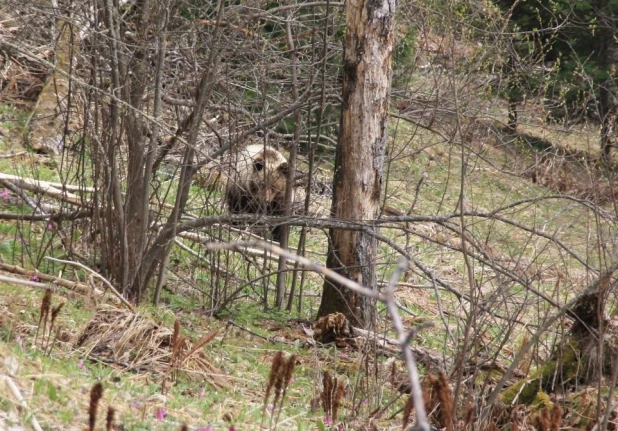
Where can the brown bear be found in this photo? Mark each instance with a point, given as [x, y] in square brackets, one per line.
[257, 183]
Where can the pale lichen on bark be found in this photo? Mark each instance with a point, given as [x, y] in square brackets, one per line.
[51, 113]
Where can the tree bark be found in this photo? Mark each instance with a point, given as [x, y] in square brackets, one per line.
[605, 107]
[605, 58]
[360, 154]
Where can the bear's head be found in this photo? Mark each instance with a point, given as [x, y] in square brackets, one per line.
[269, 175]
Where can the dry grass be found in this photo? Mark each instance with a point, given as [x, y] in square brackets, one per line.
[133, 341]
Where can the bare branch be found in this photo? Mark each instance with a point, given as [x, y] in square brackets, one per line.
[415, 384]
[97, 275]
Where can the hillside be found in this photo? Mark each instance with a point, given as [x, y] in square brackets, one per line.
[501, 229]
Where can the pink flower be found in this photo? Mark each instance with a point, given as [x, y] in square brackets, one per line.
[270, 408]
[4, 194]
[135, 405]
[160, 414]
[328, 420]
[50, 226]
[80, 364]
[34, 277]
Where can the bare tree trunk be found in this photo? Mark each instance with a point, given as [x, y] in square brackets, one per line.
[360, 154]
[284, 231]
[157, 254]
[125, 225]
[607, 120]
[604, 104]
[141, 151]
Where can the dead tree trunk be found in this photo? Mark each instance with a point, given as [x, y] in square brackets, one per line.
[360, 154]
[606, 105]
[582, 355]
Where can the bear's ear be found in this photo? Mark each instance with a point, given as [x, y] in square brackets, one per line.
[283, 168]
[258, 164]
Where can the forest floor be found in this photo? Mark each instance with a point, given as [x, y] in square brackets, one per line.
[55, 377]
[522, 176]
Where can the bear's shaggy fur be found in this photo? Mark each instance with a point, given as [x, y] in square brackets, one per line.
[257, 182]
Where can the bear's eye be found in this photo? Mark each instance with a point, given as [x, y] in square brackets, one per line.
[258, 165]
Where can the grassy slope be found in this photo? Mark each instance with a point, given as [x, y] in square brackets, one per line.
[57, 386]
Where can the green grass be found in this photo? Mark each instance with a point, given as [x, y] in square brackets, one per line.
[60, 382]
[64, 378]
[13, 119]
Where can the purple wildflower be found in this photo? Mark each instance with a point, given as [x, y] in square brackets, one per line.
[161, 413]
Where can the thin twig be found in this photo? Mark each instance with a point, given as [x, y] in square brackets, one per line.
[308, 264]
[10, 156]
[12, 280]
[96, 274]
[548, 324]
[79, 287]
[21, 400]
[44, 188]
[44, 184]
[38, 207]
[422, 422]
[59, 216]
